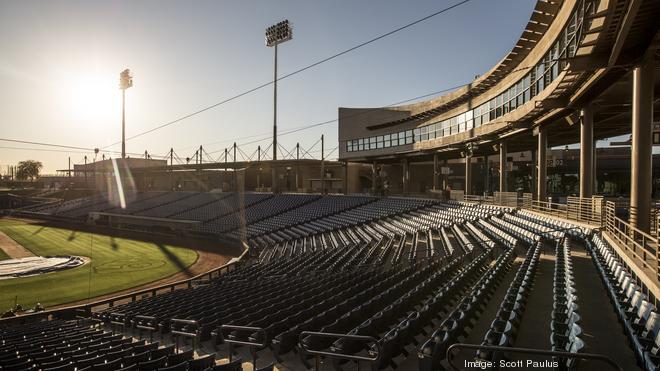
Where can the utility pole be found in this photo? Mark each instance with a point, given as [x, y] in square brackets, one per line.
[259, 161]
[322, 165]
[85, 172]
[224, 172]
[297, 164]
[171, 165]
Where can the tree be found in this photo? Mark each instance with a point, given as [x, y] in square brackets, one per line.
[28, 169]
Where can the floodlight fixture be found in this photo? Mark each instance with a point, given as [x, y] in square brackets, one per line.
[279, 33]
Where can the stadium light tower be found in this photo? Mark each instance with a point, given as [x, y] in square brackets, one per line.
[125, 82]
[275, 35]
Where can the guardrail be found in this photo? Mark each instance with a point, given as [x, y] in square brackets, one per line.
[584, 210]
[74, 310]
[508, 199]
[589, 356]
[149, 323]
[178, 329]
[642, 246]
[349, 357]
[254, 346]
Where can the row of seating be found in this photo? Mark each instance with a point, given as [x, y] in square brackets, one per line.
[567, 227]
[565, 328]
[274, 206]
[455, 324]
[76, 346]
[636, 313]
[504, 327]
[196, 200]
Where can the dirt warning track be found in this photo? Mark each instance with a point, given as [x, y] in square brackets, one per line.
[13, 248]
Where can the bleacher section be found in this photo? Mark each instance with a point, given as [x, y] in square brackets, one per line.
[404, 278]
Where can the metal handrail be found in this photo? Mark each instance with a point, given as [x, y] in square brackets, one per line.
[350, 357]
[152, 325]
[253, 345]
[593, 356]
[643, 246]
[178, 333]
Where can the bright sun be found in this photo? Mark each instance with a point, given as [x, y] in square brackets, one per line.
[94, 97]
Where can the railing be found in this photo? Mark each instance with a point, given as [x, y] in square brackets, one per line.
[349, 357]
[71, 311]
[530, 351]
[584, 210]
[642, 246]
[148, 323]
[509, 199]
[254, 345]
[178, 329]
[506, 199]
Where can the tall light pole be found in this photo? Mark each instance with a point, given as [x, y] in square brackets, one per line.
[275, 35]
[125, 82]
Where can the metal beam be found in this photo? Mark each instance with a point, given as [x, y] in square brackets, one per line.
[627, 23]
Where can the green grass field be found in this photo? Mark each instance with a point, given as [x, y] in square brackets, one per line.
[116, 264]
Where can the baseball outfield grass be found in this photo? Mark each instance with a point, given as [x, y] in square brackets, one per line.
[116, 264]
[3, 255]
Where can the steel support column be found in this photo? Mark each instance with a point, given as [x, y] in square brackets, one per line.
[641, 151]
[435, 171]
[468, 174]
[373, 178]
[345, 177]
[587, 151]
[541, 164]
[503, 187]
[405, 174]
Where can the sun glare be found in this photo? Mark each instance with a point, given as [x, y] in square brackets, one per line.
[94, 97]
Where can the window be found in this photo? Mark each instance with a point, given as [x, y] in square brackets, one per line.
[522, 91]
[409, 137]
[477, 121]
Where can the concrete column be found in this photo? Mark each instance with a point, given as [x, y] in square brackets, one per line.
[435, 171]
[641, 151]
[503, 155]
[541, 163]
[587, 151]
[405, 174]
[468, 174]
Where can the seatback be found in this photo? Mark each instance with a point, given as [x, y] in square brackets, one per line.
[652, 325]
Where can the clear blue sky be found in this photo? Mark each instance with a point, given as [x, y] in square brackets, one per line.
[60, 62]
